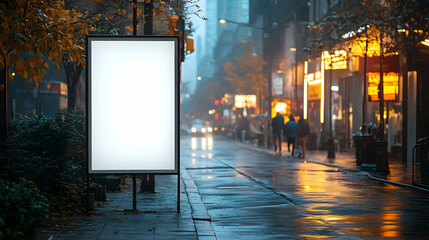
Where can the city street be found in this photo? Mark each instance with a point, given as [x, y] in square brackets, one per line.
[161, 119]
[255, 195]
[233, 190]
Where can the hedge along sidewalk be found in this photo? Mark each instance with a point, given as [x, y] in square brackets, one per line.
[22, 209]
[157, 216]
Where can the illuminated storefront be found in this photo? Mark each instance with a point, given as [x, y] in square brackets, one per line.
[392, 96]
[390, 86]
[245, 101]
[322, 77]
[282, 106]
[313, 94]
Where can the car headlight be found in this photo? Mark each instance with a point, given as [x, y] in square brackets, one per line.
[203, 130]
[193, 130]
[209, 129]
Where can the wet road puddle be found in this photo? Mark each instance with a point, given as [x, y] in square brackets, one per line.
[234, 187]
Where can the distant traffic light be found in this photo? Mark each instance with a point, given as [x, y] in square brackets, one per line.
[189, 45]
[216, 102]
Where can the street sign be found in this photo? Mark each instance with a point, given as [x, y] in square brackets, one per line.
[133, 104]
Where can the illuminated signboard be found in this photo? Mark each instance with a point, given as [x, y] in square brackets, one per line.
[314, 92]
[133, 104]
[277, 84]
[338, 60]
[281, 106]
[314, 81]
[390, 83]
[241, 101]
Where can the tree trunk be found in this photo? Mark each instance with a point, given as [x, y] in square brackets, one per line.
[3, 119]
[73, 73]
[3, 105]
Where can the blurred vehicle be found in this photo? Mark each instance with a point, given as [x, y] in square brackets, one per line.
[200, 129]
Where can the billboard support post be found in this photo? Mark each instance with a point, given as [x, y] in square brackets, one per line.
[134, 193]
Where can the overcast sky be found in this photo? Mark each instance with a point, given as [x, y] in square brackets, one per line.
[189, 67]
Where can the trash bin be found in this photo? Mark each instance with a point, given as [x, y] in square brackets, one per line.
[422, 156]
[84, 201]
[365, 150]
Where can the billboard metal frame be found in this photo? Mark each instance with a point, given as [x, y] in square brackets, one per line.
[176, 170]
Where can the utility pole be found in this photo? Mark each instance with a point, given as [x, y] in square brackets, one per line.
[267, 54]
[134, 34]
[148, 180]
[331, 146]
[382, 164]
[365, 88]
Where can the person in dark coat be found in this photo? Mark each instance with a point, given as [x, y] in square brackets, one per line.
[277, 126]
[303, 131]
[291, 133]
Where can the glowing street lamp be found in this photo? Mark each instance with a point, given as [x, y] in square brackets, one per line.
[224, 21]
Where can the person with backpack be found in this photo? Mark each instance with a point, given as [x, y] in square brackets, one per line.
[291, 133]
[277, 126]
[303, 131]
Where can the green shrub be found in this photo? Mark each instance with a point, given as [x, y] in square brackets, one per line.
[22, 209]
[52, 152]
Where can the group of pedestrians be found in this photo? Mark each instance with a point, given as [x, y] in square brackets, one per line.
[294, 133]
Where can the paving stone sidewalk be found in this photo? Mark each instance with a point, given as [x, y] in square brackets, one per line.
[157, 217]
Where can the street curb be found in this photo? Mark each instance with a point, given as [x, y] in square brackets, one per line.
[200, 216]
[42, 236]
[396, 183]
[346, 169]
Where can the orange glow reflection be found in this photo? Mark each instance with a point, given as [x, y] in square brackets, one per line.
[390, 220]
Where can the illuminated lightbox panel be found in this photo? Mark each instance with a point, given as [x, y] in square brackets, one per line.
[133, 104]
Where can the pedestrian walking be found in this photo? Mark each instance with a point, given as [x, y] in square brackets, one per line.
[291, 133]
[277, 126]
[303, 131]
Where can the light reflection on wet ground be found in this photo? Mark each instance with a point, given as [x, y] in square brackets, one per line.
[264, 196]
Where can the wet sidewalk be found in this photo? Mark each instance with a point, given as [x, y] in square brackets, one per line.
[157, 216]
[230, 192]
[400, 172]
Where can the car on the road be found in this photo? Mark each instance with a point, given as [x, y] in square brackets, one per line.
[199, 129]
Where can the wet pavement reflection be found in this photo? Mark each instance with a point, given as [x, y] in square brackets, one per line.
[256, 195]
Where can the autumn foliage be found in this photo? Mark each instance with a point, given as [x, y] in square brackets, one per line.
[34, 31]
[245, 73]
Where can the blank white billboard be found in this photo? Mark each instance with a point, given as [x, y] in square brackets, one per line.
[133, 104]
